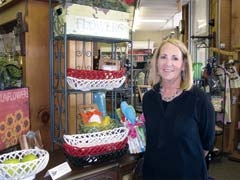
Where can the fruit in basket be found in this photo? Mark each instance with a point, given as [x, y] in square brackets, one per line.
[93, 124]
[106, 121]
[27, 158]
[11, 161]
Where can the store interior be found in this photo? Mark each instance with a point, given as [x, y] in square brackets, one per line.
[38, 51]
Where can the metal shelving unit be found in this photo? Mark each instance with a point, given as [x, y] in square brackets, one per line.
[62, 114]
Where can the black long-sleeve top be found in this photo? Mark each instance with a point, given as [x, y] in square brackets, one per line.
[177, 134]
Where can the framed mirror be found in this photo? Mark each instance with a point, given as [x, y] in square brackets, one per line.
[12, 37]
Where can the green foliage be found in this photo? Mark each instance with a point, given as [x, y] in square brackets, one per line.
[10, 73]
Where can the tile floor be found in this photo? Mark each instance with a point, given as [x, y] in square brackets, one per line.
[224, 169]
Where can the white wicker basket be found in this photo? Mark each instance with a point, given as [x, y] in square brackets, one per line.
[97, 138]
[88, 84]
[23, 170]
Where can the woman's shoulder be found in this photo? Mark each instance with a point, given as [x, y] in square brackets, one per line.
[199, 93]
[152, 92]
[195, 90]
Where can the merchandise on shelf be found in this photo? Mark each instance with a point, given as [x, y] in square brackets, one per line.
[135, 124]
[86, 80]
[75, 30]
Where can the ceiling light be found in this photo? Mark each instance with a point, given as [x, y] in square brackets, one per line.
[135, 19]
[2, 1]
[152, 20]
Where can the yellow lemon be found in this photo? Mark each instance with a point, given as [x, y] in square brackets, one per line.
[93, 124]
[106, 121]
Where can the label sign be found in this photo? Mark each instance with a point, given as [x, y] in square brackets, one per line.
[97, 27]
[58, 171]
[91, 21]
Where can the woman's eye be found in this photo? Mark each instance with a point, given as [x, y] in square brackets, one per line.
[175, 58]
[162, 57]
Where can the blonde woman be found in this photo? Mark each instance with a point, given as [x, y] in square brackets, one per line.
[179, 118]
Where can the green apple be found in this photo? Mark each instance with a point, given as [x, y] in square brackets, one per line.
[27, 158]
[11, 161]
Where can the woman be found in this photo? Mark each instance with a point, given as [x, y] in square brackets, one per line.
[179, 118]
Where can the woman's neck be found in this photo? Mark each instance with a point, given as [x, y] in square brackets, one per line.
[170, 86]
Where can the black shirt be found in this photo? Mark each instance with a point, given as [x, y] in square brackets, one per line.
[177, 135]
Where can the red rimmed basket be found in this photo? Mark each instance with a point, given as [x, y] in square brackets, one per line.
[97, 138]
[94, 150]
[80, 161]
[86, 80]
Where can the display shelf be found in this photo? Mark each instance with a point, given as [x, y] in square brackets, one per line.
[74, 51]
[140, 57]
[107, 52]
[141, 53]
[92, 38]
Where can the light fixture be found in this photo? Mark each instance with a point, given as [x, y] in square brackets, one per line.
[152, 20]
[135, 19]
[2, 1]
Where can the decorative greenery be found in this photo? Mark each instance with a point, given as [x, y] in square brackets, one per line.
[10, 73]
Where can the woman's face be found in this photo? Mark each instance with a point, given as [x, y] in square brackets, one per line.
[170, 63]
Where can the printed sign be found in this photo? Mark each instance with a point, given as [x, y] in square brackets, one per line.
[14, 116]
[91, 21]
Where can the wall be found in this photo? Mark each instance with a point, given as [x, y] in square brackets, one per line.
[10, 13]
[36, 61]
[155, 36]
[235, 26]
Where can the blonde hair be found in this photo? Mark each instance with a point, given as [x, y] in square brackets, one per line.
[187, 81]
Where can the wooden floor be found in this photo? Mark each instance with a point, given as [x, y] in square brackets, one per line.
[224, 169]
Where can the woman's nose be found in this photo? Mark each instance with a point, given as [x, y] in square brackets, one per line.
[168, 61]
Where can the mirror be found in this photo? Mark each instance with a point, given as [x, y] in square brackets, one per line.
[12, 48]
[12, 37]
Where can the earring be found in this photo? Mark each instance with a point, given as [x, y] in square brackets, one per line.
[183, 75]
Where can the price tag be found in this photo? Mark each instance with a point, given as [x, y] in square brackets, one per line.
[59, 171]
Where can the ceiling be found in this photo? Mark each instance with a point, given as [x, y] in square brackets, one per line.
[157, 15]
